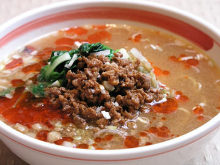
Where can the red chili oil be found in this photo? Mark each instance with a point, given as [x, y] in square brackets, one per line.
[131, 142]
[27, 110]
[76, 30]
[136, 38]
[168, 106]
[163, 131]
[99, 36]
[181, 97]
[159, 72]
[42, 135]
[83, 146]
[14, 63]
[187, 63]
[17, 82]
[33, 68]
[198, 110]
[60, 141]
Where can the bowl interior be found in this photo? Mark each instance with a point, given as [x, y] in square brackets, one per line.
[40, 22]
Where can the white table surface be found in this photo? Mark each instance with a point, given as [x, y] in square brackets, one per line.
[209, 10]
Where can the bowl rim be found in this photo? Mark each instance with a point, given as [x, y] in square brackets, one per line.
[156, 149]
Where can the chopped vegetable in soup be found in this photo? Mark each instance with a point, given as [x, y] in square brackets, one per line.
[108, 87]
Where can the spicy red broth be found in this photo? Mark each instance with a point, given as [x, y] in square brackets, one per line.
[189, 78]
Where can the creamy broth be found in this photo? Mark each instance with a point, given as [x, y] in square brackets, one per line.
[192, 79]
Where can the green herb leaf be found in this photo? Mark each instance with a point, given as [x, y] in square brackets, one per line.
[86, 49]
[48, 73]
[38, 89]
[62, 61]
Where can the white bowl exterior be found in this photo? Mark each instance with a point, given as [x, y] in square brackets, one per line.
[170, 152]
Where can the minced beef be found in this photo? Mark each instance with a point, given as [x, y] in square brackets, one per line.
[98, 86]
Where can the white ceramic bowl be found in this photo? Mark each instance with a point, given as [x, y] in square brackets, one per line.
[38, 22]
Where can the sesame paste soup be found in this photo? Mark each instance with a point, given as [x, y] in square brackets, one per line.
[108, 99]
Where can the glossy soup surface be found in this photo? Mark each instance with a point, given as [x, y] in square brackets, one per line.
[192, 77]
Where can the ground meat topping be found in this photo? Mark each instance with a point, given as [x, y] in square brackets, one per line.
[101, 92]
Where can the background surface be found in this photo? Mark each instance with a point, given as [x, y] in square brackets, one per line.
[209, 10]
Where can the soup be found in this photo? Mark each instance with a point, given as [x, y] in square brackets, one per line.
[108, 87]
